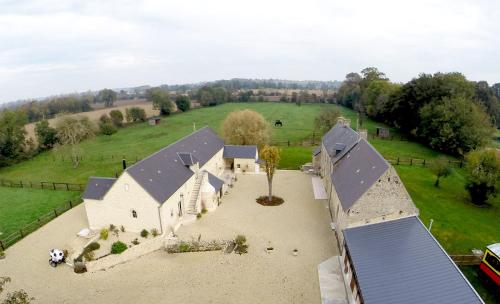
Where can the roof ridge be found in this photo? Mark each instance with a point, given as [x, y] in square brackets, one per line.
[180, 139]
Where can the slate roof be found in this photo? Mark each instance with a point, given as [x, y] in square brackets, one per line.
[215, 181]
[162, 173]
[340, 136]
[233, 151]
[399, 261]
[187, 159]
[357, 171]
[97, 187]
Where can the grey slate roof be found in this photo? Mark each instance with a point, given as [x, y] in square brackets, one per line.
[232, 151]
[356, 172]
[187, 159]
[162, 173]
[97, 187]
[215, 181]
[338, 137]
[399, 261]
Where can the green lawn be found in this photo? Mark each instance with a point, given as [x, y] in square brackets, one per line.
[485, 291]
[21, 206]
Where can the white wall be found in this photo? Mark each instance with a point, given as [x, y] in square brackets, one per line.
[117, 205]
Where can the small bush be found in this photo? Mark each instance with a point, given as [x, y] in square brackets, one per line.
[107, 128]
[104, 233]
[241, 246]
[144, 233]
[204, 210]
[116, 233]
[112, 227]
[198, 216]
[2, 254]
[184, 247]
[154, 232]
[121, 227]
[79, 267]
[135, 241]
[89, 255]
[92, 246]
[118, 247]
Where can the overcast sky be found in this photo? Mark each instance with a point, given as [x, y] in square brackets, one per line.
[54, 46]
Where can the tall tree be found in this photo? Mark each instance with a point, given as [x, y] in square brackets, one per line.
[483, 175]
[441, 168]
[106, 96]
[246, 127]
[12, 136]
[326, 119]
[271, 156]
[71, 131]
[45, 134]
[161, 101]
[485, 96]
[183, 103]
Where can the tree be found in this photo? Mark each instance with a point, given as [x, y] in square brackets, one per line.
[483, 175]
[116, 117]
[440, 167]
[107, 97]
[135, 114]
[71, 131]
[45, 134]
[485, 96]
[106, 125]
[13, 143]
[161, 101]
[246, 127]
[455, 125]
[326, 119]
[271, 156]
[349, 93]
[183, 103]
[375, 98]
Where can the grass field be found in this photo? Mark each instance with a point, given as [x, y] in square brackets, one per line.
[21, 206]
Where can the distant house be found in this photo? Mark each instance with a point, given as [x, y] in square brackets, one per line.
[386, 254]
[168, 188]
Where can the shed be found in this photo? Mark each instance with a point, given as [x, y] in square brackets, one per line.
[153, 121]
[383, 132]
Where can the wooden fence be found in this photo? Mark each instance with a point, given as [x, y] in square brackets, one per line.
[464, 260]
[42, 185]
[12, 238]
[421, 162]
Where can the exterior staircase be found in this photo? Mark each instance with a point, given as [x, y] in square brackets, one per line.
[194, 206]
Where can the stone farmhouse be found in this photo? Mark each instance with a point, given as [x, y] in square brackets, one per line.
[386, 255]
[170, 187]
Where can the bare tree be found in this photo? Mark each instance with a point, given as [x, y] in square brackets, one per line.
[71, 131]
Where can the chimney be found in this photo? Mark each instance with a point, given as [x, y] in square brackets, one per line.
[344, 121]
[124, 164]
[363, 133]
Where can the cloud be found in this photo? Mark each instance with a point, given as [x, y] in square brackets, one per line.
[51, 47]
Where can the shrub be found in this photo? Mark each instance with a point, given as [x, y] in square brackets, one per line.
[107, 128]
[241, 246]
[89, 255]
[2, 253]
[116, 233]
[483, 175]
[92, 246]
[111, 227]
[79, 267]
[204, 210]
[144, 233]
[154, 232]
[117, 117]
[135, 241]
[104, 233]
[118, 247]
[198, 216]
[121, 227]
[184, 247]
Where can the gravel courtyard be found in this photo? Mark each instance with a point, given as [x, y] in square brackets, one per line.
[257, 277]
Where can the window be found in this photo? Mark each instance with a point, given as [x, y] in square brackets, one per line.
[126, 187]
[492, 261]
[134, 214]
[238, 166]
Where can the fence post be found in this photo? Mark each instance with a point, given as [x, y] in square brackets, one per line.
[54, 186]
[70, 204]
[67, 187]
[461, 163]
[21, 183]
[55, 212]
[398, 161]
[21, 231]
[81, 187]
[2, 246]
[411, 161]
[289, 143]
[423, 163]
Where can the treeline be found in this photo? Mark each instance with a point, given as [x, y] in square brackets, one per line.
[444, 111]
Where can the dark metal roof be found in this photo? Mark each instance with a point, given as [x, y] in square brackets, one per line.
[215, 181]
[97, 187]
[231, 151]
[339, 136]
[317, 151]
[356, 172]
[399, 261]
[162, 173]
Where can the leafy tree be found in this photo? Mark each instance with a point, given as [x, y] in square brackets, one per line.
[376, 98]
[441, 168]
[483, 175]
[246, 127]
[485, 96]
[106, 96]
[326, 119]
[295, 98]
[349, 93]
[13, 143]
[106, 125]
[271, 156]
[183, 103]
[16, 297]
[135, 114]
[71, 131]
[116, 117]
[212, 95]
[245, 96]
[454, 125]
[161, 101]
[45, 134]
